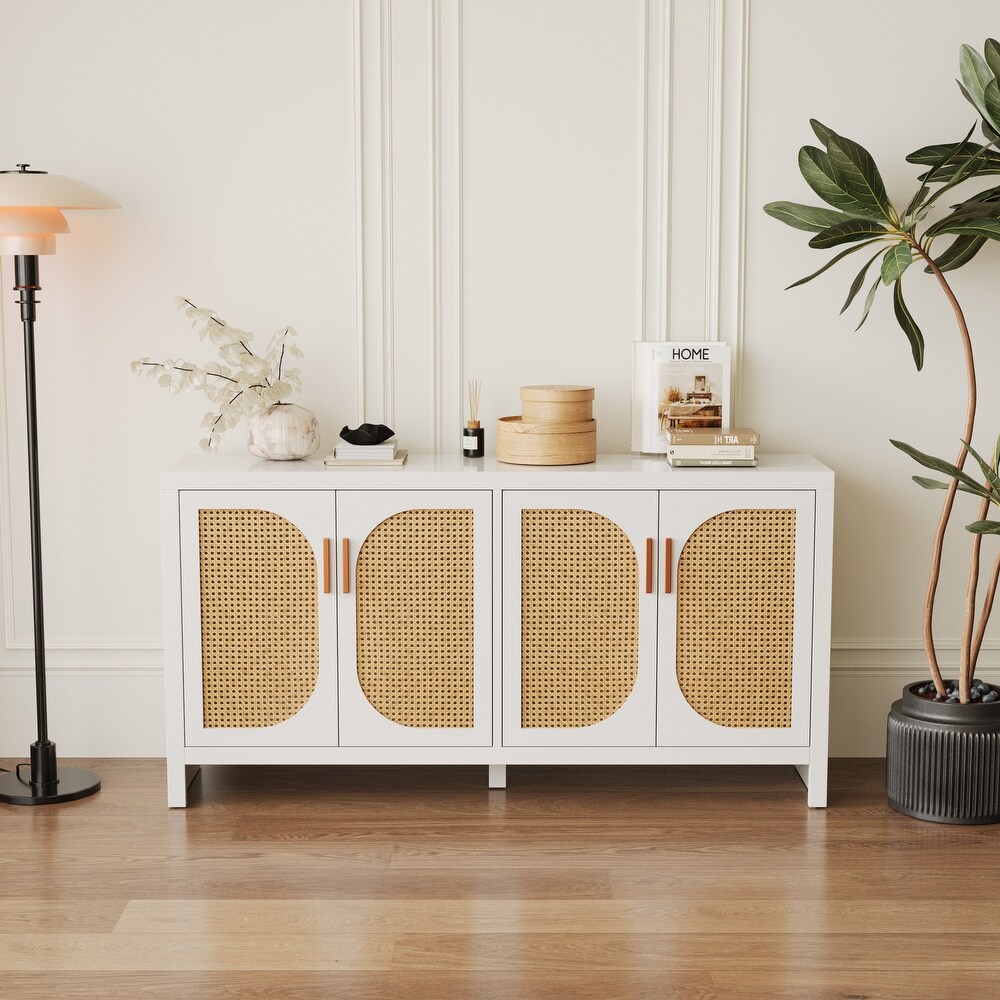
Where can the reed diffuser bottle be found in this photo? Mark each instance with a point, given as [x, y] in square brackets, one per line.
[473, 435]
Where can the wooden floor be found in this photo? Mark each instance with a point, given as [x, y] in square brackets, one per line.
[574, 883]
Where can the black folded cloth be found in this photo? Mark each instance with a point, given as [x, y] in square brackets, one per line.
[367, 434]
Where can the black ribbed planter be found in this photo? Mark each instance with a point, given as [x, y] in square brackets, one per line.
[942, 761]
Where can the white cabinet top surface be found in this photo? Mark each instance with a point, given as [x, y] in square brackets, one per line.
[455, 472]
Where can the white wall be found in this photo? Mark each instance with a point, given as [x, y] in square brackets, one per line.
[437, 190]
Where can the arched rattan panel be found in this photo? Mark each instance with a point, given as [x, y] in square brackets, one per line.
[735, 618]
[259, 618]
[415, 617]
[579, 618]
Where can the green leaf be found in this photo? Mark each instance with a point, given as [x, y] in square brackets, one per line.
[940, 465]
[930, 484]
[896, 260]
[834, 260]
[947, 159]
[991, 50]
[990, 228]
[984, 204]
[960, 252]
[819, 174]
[908, 325]
[984, 527]
[823, 133]
[805, 217]
[977, 103]
[939, 153]
[911, 213]
[977, 208]
[869, 299]
[936, 484]
[945, 153]
[859, 279]
[991, 101]
[989, 473]
[986, 195]
[855, 169]
[846, 232]
[976, 73]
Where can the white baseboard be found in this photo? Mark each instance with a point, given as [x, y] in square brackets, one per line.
[117, 711]
[92, 711]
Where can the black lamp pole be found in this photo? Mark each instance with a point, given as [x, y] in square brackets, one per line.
[48, 783]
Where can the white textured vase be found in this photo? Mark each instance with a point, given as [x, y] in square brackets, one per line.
[282, 432]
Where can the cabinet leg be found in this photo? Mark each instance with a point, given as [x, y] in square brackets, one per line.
[814, 776]
[179, 780]
[498, 776]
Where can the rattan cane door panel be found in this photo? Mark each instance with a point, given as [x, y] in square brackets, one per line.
[579, 618]
[258, 664]
[415, 609]
[731, 627]
[580, 645]
[415, 664]
[259, 618]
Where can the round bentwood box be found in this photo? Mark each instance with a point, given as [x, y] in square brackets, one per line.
[532, 442]
[557, 403]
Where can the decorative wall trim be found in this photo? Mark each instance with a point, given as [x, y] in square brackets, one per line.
[375, 234]
[733, 189]
[435, 374]
[55, 670]
[458, 224]
[713, 209]
[446, 336]
[359, 221]
[915, 644]
[654, 189]
[388, 251]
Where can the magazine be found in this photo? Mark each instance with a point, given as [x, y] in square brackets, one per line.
[678, 385]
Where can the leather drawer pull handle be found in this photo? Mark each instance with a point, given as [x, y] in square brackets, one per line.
[649, 565]
[326, 566]
[667, 567]
[345, 565]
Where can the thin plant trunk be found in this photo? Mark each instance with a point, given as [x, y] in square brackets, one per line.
[991, 593]
[967, 665]
[965, 673]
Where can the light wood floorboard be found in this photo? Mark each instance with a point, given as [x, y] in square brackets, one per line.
[629, 883]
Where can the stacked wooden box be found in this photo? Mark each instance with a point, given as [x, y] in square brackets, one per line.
[556, 427]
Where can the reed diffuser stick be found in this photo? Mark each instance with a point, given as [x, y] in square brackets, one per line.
[473, 435]
[475, 385]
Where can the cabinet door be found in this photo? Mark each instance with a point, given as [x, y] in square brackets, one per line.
[579, 618]
[735, 613]
[415, 613]
[259, 641]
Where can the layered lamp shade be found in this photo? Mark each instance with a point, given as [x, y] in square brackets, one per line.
[31, 207]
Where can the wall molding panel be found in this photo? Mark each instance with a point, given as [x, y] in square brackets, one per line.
[654, 208]
[445, 204]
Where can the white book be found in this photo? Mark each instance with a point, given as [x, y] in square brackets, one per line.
[387, 449]
[678, 385]
[712, 451]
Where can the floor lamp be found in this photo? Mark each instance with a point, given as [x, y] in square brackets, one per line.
[30, 216]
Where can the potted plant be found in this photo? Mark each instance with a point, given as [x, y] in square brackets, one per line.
[943, 747]
[244, 384]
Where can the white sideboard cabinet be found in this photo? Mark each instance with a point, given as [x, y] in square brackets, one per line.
[467, 611]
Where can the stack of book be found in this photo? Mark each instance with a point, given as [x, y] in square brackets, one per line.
[696, 447]
[386, 453]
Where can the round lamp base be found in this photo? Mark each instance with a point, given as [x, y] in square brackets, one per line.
[73, 783]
